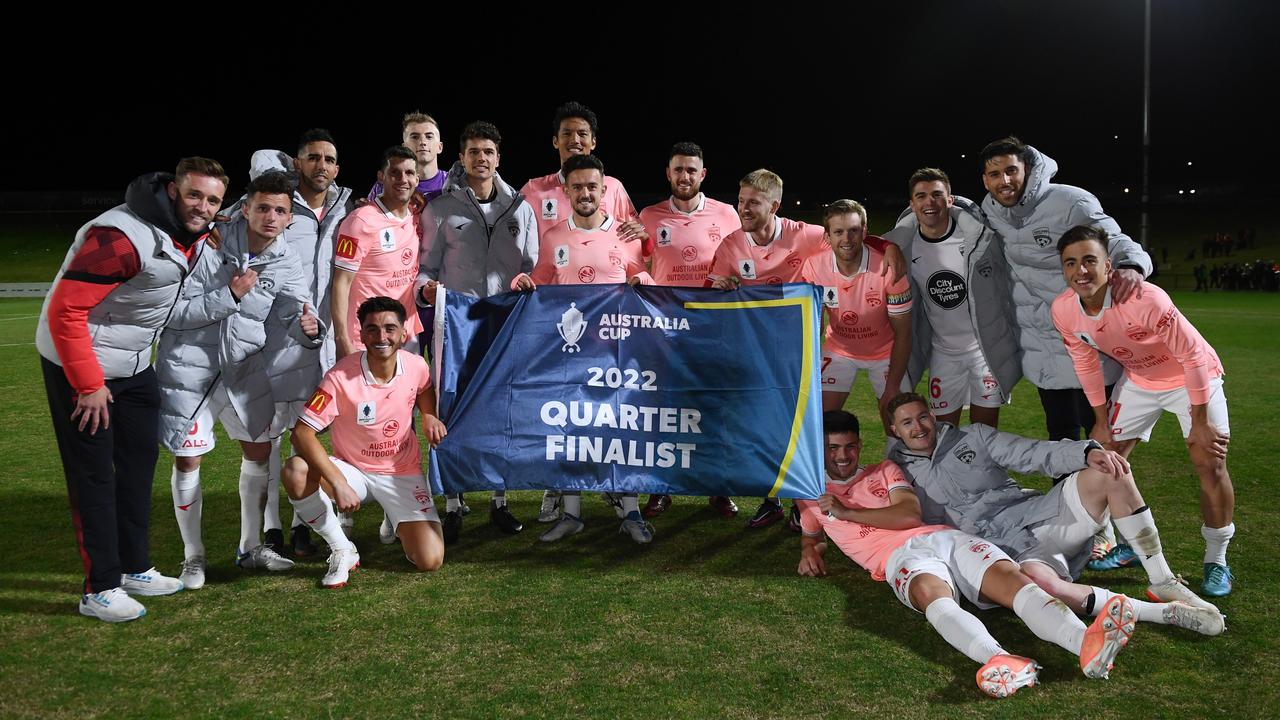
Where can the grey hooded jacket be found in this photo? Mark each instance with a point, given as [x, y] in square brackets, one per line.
[966, 482]
[212, 338]
[1030, 230]
[990, 296]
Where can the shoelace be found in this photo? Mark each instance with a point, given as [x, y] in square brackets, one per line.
[193, 564]
[1217, 574]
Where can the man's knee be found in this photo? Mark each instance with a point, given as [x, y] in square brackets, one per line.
[293, 477]
[926, 588]
[187, 464]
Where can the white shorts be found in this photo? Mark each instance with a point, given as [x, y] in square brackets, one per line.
[959, 379]
[959, 559]
[839, 373]
[404, 498]
[1064, 538]
[1133, 411]
[200, 439]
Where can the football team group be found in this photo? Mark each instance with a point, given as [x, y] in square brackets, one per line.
[302, 310]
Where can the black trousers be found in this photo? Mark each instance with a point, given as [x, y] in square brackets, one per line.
[1067, 413]
[109, 474]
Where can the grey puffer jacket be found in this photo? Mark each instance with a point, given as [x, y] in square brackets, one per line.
[966, 482]
[990, 302]
[212, 338]
[1030, 230]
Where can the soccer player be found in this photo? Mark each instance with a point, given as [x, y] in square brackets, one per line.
[476, 238]
[421, 134]
[377, 252]
[213, 364]
[1168, 366]
[575, 130]
[873, 516]
[963, 325]
[962, 478]
[1030, 214]
[868, 319]
[686, 229]
[588, 249]
[367, 402]
[109, 300]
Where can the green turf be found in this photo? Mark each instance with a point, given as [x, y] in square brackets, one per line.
[709, 621]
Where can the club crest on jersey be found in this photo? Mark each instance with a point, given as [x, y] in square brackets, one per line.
[513, 227]
[713, 234]
[1042, 236]
[964, 453]
[390, 428]
[549, 207]
[747, 269]
[572, 327]
[366, 412]
[873, 299]
[266, 282]
[984, 269]
[880, 492]
[794, 260]
[387, 240]
[421, 496]
[664, 236]
[346, 247]
[830, 297]
[1137, 334]
[562, 256]
[689, 253]
[979, 548]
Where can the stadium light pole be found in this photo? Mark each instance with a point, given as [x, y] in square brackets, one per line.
[1146, 123]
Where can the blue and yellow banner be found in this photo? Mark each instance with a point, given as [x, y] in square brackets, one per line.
[649, 389]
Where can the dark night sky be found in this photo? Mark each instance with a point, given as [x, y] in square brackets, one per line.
[840, 102]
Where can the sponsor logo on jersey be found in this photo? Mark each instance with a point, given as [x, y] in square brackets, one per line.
[587, 274]
[946, 289]
[572, 327]
[849, 317]
[387, 240]
[689, 253]
[346, 248]
[319, 401]
[390, 428]
[664, 236]
[406, 256]
[366, 412]
[1167, 319]
[549, 209]
[830, 297]
[1123, 353]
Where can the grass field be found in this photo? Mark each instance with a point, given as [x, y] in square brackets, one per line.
[709, 621]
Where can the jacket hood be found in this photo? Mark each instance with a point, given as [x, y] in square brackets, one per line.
[265, 161]
[148, 198]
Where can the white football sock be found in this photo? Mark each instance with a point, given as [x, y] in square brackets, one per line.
[1216, 541]
[1049, 618]
[253, 497]
[1145, 611]
[572, 504]
[452, 503]
[188, 507]
[271, 517]
[500, 498]
[962, 630]
[630, 503]
[316, 510]
[1139, 530]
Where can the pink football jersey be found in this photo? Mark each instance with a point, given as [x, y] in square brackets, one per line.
[684, 244]
[551, 206]
[858, 306]
[773, 264]
[382, 250]
[570, 255]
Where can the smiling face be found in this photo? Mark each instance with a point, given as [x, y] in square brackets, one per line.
[915, 426]
[574, 138]
[841, 459]
[755, 207]
[480, 158]
[1086, 268]
[931, 203]
[399, 179]
[584, 188]
[685, 173]
[196, 200]
[845, 235]
[1005, 176]
[317, 166]
[382, 334]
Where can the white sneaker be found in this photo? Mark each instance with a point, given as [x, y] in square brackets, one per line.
[341, 563]
[1193, 617]
[192, 576]
[550, 510]
[150, 582]
[568, 525]
[1176, 590]
[263, 558]
[639, 530]
[113, 605]
[347, 522]
[386, 531]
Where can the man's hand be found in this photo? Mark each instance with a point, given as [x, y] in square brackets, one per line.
[1209, 439]
[243, 283]
[345, 498]
[811, 563]
[828, 504]
[1101, 433]
[310, 324]
[725, 283]
[632, 230]
[895, 265]
[1108, 462]
[1125, 283]
[92, 410]
[433, 429]
[429, 292]
[523, 282]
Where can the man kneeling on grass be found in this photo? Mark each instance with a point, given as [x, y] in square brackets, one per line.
[873, 516]
[368, 399]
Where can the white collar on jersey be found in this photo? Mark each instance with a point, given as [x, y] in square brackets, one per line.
[843, 483]
[777, 233]
[862, 264]
[369, 379]
[1106, 303]
[390, 215]
[702, 203]
[606, 225]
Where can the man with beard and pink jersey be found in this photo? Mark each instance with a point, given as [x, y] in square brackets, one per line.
[868, 319]
[685, 230]
[377, 252]
[1168, 366]
[872, 514]
[770, 250]
[587, 249]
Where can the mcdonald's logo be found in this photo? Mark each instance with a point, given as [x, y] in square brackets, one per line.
[346, 247]
[319, 401]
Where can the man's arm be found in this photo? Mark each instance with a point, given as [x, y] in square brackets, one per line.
[339, 298]
[902, 513]
[432, 428]
[898, 356]
[811, 562]
[1046, 457]
[430, 258]
[309, 448]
